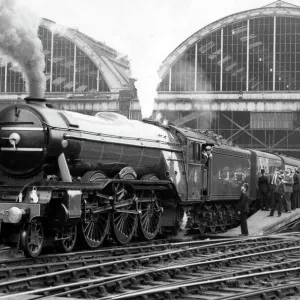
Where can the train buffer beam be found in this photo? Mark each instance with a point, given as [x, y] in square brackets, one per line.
[261, 223]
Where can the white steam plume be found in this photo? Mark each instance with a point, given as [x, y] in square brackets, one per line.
[184, 221]
[161, 119]
[182, 227]
[144, 68]
[20, 42]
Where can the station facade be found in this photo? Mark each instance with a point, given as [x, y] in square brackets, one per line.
[82, 74]
[239, 77]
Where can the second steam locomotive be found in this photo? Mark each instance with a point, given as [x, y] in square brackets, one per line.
[66, 175]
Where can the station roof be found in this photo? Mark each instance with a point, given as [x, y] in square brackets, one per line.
[114, 66]
[277, 8]
[280, 3]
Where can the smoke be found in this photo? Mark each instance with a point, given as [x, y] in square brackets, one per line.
[148, 36]
[182, 227]
[144, 69]
[184, 221]
[161, 119]
[20, 42]
[59, 29]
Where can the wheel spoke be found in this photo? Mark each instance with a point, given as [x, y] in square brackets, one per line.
[120, 224]
[124, 224]
[118, 217]
[69, 238]
[33, 239]
[149, 217]
[95, 228]
[90, 229]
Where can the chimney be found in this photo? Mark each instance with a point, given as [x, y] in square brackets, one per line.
[35, 100]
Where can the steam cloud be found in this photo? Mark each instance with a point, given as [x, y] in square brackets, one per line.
[20, 42]
[144, 69]
[160, 118]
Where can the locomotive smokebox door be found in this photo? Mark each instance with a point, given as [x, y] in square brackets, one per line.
[22, 139]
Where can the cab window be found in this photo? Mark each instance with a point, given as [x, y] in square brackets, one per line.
[195, 151]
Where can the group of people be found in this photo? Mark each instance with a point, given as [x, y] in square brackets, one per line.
[280, 191]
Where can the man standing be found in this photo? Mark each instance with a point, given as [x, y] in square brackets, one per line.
[243, 207]
[278, 195]
[264, 189]
[273, 180]
[288, 183]
[296, 189]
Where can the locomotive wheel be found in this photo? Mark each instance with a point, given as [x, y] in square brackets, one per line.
[149, 212]
[149, 215]
[124, 222]
[201, 223]
[234, 215]
[202, 227]
[68, 244]
[213, 218]
[32, 238]
[95, 228]
[223, 220]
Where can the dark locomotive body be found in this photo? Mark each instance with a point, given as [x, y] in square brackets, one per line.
[66, 174]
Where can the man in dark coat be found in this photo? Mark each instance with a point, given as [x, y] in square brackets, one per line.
[206, 154]
[272, 184]
[243, 207]
[264, 189]
[278, 196]
[296, 190]
[288, 182]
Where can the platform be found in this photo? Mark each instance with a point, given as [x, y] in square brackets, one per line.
[260, 223]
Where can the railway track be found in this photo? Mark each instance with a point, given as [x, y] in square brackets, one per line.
[157, 272]
[108, 253]
[24, 267]
[15, 258]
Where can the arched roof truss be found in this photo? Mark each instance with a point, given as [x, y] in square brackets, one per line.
[254, 50]
[115, 71]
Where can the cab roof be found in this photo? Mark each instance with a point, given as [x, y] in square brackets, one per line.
[194, 135]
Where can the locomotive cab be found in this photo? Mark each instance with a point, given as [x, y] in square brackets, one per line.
[198, 154]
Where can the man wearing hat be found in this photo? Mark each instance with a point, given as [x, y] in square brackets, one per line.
[243, 208]
[278, 196]
[288, 182]
[296, 189]
[264, 189]
[273, 180]
[206, 154]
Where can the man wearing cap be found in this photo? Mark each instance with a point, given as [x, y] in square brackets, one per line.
[297, 198]
[243, 208]
[278, 196]
[264, 189]
[206, 154]
[288, 183]
[296, 189]
[273, 179]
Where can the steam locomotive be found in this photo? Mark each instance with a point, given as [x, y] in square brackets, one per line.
[66, 175]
